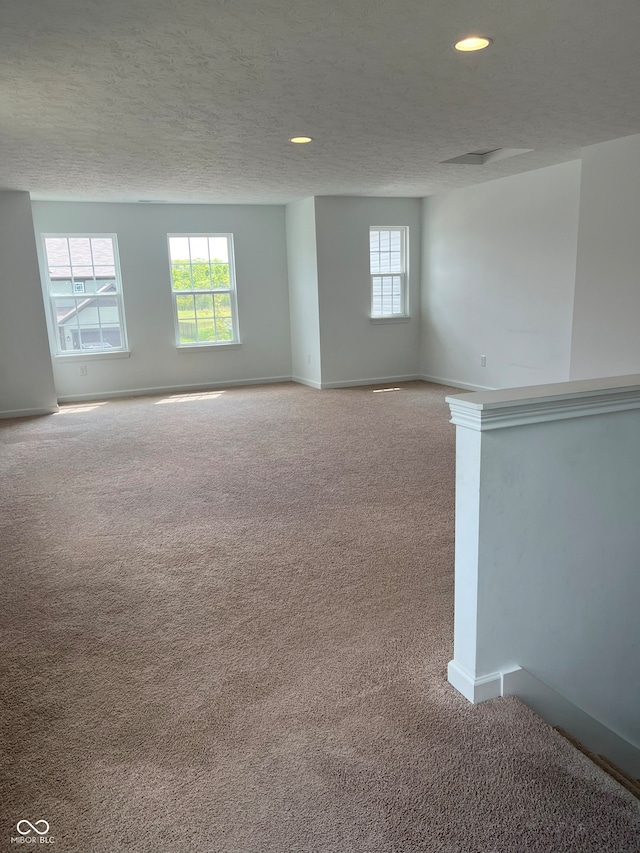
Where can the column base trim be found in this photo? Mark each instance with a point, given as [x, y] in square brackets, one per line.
[474, 689]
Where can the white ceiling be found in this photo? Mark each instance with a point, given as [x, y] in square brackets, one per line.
[194, 100]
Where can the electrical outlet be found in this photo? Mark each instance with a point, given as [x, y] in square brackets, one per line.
[483, 361]
[83, 370]
[308, 359]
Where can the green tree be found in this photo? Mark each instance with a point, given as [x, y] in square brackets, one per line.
[203, 317]
[200, 275]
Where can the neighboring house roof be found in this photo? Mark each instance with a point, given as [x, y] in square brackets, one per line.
[109, 315]
[87, 315]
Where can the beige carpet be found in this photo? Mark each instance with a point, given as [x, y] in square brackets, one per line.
[226, 620]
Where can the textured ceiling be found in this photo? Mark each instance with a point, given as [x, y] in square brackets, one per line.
[194, 100]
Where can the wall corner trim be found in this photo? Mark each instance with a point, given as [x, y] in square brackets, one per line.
[311, 383]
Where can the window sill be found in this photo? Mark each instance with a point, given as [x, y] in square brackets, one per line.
[202, 347]
[92, 355]
[404, 318]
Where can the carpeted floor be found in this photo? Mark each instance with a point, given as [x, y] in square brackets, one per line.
[226, 620]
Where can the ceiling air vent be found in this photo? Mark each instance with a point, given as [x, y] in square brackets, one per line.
[487, 155]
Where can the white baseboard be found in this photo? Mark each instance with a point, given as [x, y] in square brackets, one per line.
[310, 382]
[379, 380]
[170, 389]
[474, 689]
[454, 383]
[29, 413]
[557, 710]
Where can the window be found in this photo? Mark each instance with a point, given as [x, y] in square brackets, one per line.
[84, 290]
[388, 269]
[203, 286]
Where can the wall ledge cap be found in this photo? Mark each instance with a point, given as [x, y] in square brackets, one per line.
[485, 410]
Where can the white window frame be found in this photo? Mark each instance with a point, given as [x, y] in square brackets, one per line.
[49, 298]
[231, 290]
[402, 274]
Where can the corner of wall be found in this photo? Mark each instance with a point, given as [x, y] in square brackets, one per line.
[26, 372]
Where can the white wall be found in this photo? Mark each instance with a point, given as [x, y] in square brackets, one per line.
[353, 348]
[561, 591]
[303, 292]
[607, 298]
[547, 533]
[263, 305]
[498, 280]
[26, 378]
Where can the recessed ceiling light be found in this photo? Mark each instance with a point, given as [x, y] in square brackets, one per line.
[472, 43]
[300, 140]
